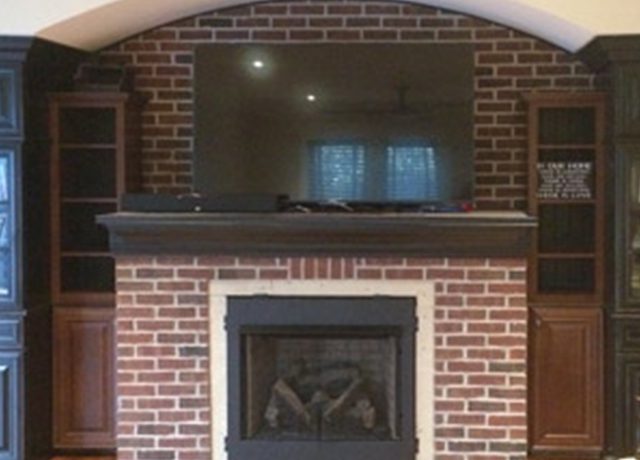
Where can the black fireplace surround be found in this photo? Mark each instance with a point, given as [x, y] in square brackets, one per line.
[321, 378]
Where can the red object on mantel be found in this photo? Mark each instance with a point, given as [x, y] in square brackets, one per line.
[467, 206]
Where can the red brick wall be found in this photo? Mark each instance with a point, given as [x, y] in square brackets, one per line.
[508, 63]
[162, 356]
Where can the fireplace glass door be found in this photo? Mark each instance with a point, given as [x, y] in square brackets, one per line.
[321, 378]
[334, 384]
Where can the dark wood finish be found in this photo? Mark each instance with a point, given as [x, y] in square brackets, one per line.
[627, 387]
[566, 382]
[604, 51]
[616, 59]
[10, 401]
[10, 97]
[464, 234]
[627, 383]
[627, 228]
[11, 334]
[13, 154]
[29, 68]
[94, 144]
[84, 457]
[86, 128]
[590, 211]
[83, 369]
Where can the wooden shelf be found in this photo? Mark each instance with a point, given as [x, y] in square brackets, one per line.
[566, 255]
[83, 457]
[473, 234]
[85, 254]
[89, 200]
[87, 146]
[574, 202]
[568, 146]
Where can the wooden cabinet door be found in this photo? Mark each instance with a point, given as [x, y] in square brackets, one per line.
[10, 391]
[83, 378]
[566, 383]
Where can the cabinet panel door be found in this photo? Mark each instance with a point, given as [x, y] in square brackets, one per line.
[83, 374]
[8, 226]
[626, 427]
[10, 391]
[10, 96]
[566, 387]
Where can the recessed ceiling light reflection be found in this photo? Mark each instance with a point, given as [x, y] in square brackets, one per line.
[257, 64]
[311, 97]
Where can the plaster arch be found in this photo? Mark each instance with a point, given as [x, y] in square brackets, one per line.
[93, 24]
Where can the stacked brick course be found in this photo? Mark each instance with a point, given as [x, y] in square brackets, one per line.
[162, 355]
[508, 63]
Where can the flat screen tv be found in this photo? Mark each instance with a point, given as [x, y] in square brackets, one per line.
[335, 122]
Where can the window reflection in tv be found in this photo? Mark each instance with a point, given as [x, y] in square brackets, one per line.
[354, 122]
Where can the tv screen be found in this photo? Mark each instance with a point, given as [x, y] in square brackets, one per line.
[349, 122]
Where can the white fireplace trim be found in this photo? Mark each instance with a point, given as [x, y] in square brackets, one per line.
[422, 291]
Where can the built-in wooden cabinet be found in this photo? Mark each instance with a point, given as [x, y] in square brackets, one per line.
[94, 141]
[626, 311]
[566, 282]
[566, 380]
[14, 418]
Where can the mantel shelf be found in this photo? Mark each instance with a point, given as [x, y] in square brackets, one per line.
[474, 234]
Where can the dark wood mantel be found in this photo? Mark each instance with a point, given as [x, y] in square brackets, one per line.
[474, 234]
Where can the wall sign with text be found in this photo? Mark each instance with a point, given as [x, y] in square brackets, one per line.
[565, 180]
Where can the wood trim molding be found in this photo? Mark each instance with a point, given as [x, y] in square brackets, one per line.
[474, 234]
[606, 49]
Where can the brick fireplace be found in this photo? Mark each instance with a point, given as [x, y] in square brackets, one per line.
[164, 313]
[479, 394]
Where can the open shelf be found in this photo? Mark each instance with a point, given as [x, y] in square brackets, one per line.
[566, 191]
[93, 151]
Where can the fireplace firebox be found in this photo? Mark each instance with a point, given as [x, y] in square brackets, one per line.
[320, 378]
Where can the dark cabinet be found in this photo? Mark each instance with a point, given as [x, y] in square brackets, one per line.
[627, 384]
[12, 404]
[8, 228]
[10, 387]
[626, 313]
[29, 69]
[10, 98]
[629, 229]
